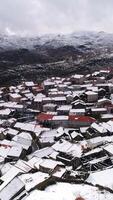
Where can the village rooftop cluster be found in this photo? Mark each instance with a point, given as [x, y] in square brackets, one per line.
[58, 131]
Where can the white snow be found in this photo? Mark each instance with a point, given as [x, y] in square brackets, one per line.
[66, 191]
[32, 180]
[103, 178]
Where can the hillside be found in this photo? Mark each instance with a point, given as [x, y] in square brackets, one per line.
[42, 56]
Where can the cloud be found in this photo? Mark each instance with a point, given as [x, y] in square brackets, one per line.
[32, 17]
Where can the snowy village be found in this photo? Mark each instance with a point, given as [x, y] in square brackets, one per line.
[57, 135]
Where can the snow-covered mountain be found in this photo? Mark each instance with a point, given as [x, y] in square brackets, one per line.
[41, 56]
[75, 39]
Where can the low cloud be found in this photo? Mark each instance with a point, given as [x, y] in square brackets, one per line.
[33, 17]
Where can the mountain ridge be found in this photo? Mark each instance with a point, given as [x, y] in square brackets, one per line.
[38, 57]
[75, 39]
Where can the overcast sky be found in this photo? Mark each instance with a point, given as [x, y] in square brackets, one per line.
[55, 16]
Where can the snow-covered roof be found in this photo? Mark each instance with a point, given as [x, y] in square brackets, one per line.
[15, 151]
[103, 100]
[29, 84]
[5, 112]
[78, 76]
[91, 93]
[23, 165]
[49, 163]
[32, 180]
[77, 110]
[65, 146]
[99, 109]
[98, 128]
[40, 153]
[107, 116]
[9, 176]
[63, 98]
[103, 178]
[109, 148]
[27, 126]
[10, 190]
[64, 107]
[15, 95]
[60, 172]
[12, 131]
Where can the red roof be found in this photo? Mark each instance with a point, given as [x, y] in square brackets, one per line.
[44, 117]
[38, 88]
[79, 198]
[81, 118]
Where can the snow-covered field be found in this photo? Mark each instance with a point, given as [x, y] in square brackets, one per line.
[66, 191]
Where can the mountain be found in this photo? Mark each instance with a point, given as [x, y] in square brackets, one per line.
[74, 39]
[41, 56]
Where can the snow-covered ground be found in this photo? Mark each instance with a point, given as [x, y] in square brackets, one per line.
[66, 191]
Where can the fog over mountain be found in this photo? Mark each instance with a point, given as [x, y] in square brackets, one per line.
[34, 17]
[40, 38]
[35, 58]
